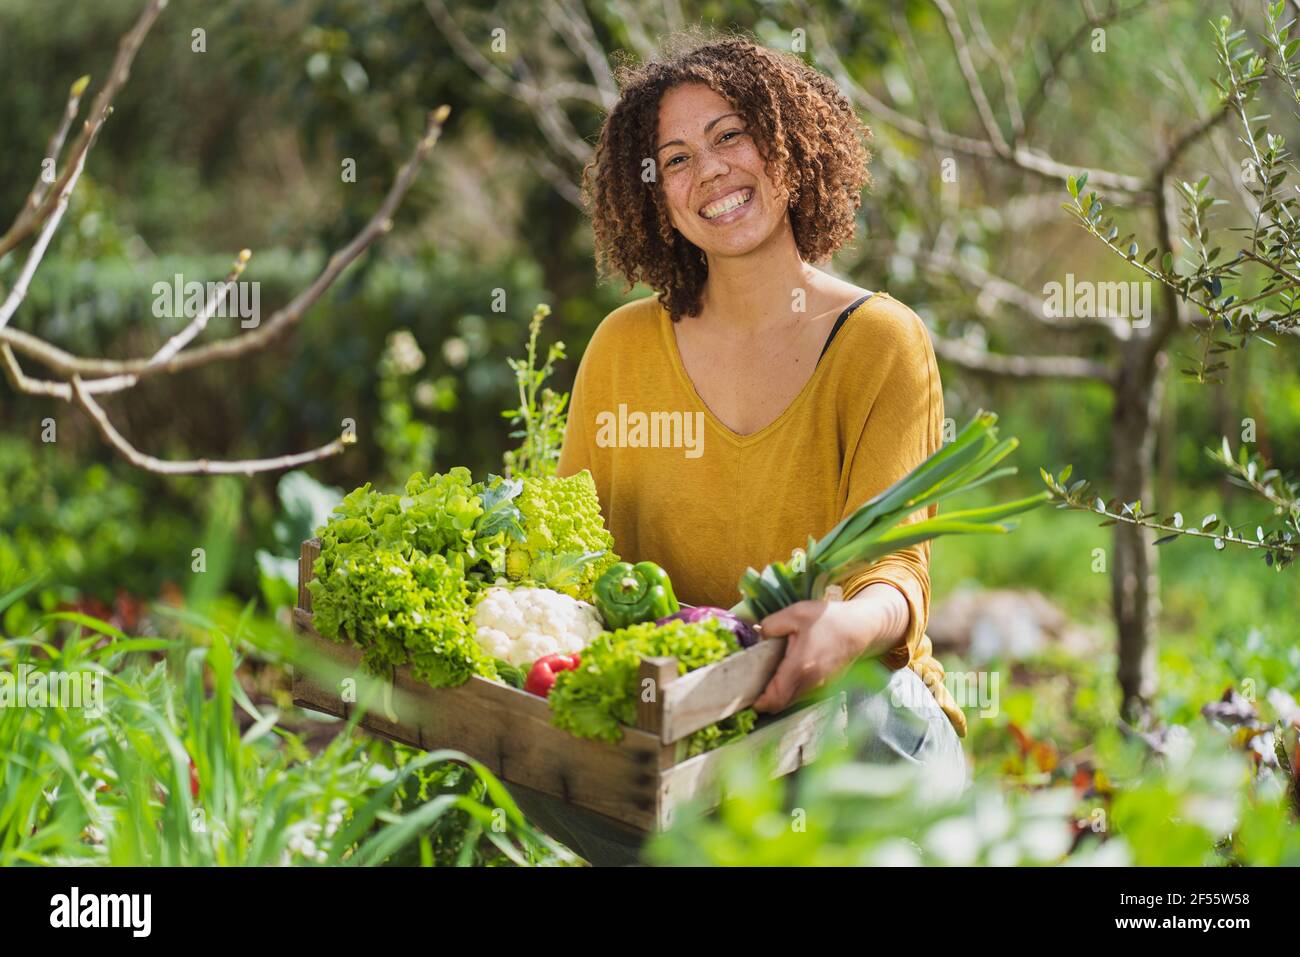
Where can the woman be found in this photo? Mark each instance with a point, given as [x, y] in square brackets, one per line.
[755, 400]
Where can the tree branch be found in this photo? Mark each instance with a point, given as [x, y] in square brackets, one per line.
[47, 211]
[1009, 94]
[572, 21]
[54, 148]
[66, 364]
[34, 256]
[1038, 98]
[978, 360]
[196, 466]
[551, 119]
[1020, 157]
[971, 76]
[994, 290]
[29, 219]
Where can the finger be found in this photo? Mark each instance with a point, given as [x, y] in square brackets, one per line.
[782, 622]
[770, 696]
[779, 690]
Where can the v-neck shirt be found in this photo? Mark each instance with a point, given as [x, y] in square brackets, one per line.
[680, 488]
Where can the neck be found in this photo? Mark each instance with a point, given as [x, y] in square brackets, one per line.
[757, 289]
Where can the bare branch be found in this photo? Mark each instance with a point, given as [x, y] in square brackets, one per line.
[29, 220]
[197, 466]
[34, 256]
[66, 364]
[971, 76]
[28, 386]
[571, 19]
[1009, 94]
[995, 290]
[54, 148]
[1020, 157]
[551, 119]
[974, 359]
[172, 356]
[183, 338]
[916, 68]
[1038, 99]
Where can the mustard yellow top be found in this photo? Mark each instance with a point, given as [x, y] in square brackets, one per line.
[681, 489]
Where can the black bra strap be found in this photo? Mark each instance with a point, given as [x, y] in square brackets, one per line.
[840, 321]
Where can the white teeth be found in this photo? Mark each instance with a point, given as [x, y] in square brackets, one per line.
[727, 205]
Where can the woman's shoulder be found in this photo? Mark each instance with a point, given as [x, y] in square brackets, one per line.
[633, 325]
[883, 323]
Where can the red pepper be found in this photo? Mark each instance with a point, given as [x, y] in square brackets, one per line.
[194, 780]
[541, 678]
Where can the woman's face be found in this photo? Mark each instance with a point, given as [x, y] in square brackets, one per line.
[718, 193]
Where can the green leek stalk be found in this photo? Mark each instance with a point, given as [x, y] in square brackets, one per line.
[873, 530]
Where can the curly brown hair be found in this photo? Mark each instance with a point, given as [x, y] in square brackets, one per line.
[811, 141]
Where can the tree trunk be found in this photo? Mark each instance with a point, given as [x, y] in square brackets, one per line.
[1135, 580]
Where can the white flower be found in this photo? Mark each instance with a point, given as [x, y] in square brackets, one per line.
[424, 395]
[455, 351]
[404, 353]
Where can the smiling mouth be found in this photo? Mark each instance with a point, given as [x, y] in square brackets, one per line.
[726, 204]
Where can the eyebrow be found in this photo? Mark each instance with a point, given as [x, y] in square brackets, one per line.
[707, 126]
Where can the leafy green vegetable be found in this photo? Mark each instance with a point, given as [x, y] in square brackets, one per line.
[399, 574]
[722, 732]
[403, 610]
[598, 697]
[511, 675]
[560, 516]
[394, 576]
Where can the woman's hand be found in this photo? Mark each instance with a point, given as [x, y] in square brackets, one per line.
[823, 638]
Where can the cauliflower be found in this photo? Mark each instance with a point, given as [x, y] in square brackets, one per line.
[561, 518]
[520, 625]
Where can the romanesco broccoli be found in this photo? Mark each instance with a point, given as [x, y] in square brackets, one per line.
[560, 515]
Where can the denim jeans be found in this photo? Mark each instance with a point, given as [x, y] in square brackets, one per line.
[902, 722]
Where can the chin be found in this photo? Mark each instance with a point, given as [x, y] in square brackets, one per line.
[738, 245]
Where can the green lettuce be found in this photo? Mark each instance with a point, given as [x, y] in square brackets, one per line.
[403, 610]
[597, 698]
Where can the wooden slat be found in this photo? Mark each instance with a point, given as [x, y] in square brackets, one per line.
[701, 697]
[506, 729]
[796, 739]
[653, 679]
[306, 570]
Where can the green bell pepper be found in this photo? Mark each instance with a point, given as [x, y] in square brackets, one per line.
[629, 594]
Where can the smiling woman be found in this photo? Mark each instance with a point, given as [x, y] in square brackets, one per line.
[723, 173]
[784, 132]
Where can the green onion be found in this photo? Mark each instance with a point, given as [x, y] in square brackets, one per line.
[876, 528]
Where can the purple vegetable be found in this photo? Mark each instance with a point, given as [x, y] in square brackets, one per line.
[743, 631]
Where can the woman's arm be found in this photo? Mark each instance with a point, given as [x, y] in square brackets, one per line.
[823, 638]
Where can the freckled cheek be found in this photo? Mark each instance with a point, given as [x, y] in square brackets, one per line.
[678, 210]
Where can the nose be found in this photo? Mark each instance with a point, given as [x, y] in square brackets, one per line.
[710, 165]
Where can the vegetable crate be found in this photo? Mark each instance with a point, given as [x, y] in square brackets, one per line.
[642, 781]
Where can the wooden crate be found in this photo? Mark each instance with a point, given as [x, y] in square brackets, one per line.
[642, 781]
